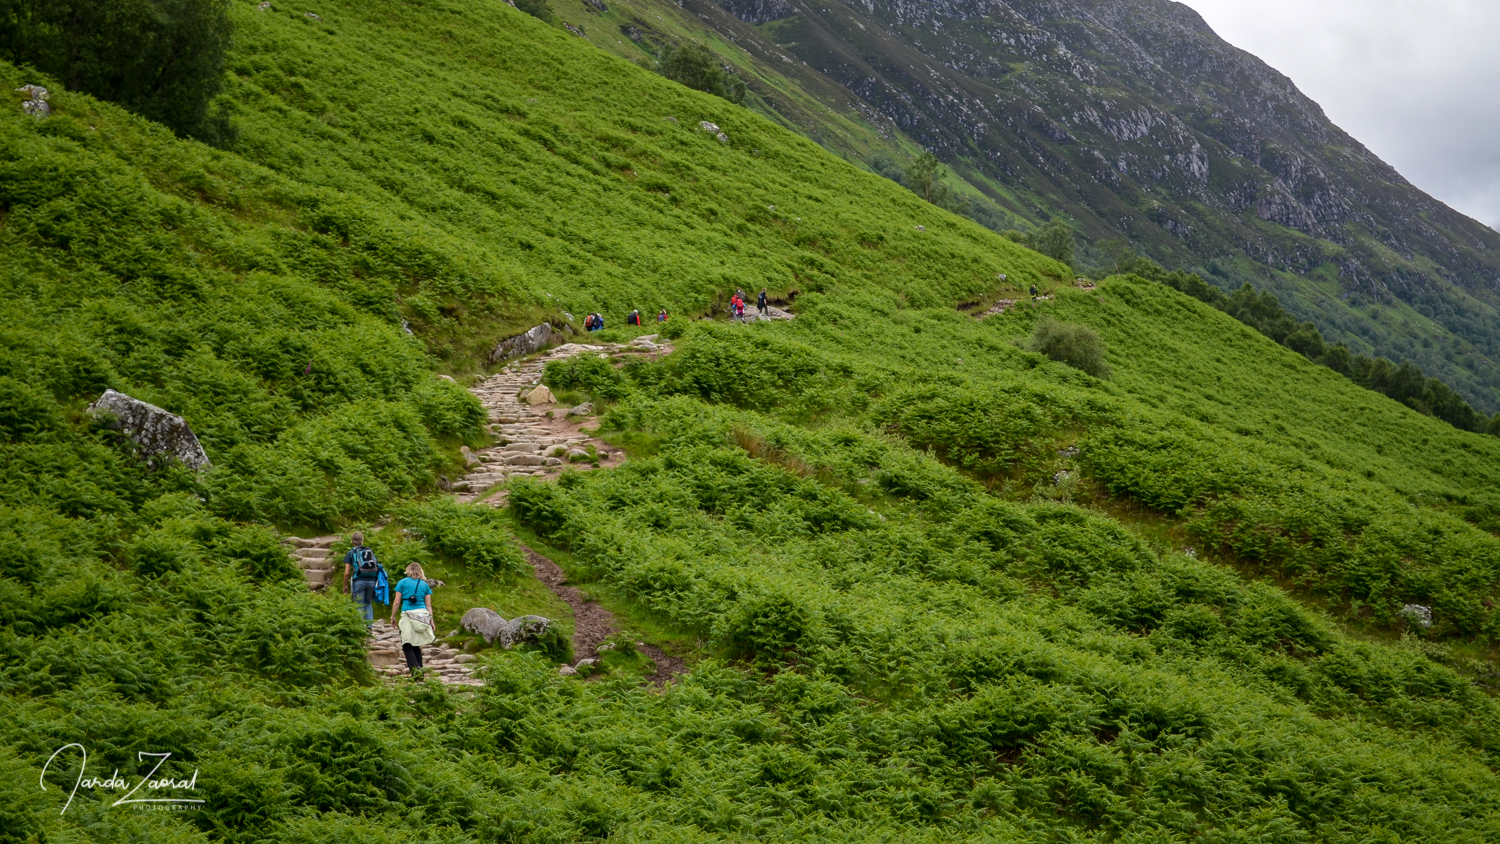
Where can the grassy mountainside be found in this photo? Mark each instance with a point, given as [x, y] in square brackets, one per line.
[917, 612]
[1129, 119]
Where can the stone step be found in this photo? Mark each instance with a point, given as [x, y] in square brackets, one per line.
[315, 542]
[311, 555]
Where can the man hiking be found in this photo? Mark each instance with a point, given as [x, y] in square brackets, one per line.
[761, 304]
[1034, 291]
[364, 578]
[634, 318]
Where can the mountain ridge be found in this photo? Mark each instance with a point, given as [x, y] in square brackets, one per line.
[1136, 122]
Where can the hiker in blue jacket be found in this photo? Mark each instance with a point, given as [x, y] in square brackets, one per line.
[364, 578]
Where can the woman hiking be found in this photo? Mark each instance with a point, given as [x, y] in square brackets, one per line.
[418, 625]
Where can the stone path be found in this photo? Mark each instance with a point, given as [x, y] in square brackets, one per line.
[451, 667]
[535, 440]
[538, 440]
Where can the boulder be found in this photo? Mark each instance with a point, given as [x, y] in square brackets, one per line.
[1417, 614]
[156, 432]
[577, 454]
[464, 659]
[522, 345]
[470, 458]
[567, 671]
[527, 628]
[483, 621]
[540, 395]
[36, 100]
[585, 409]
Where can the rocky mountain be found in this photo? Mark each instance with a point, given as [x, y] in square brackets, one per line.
[1135, 122]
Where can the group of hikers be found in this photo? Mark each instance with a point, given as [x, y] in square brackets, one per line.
[365, 580]
[737, 305]
[594, 322]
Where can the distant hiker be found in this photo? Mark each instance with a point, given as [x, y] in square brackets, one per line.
[761, 304]
[364, 578]
[593, 322]
[418, 624]
[737, 307]
[1034, 292]
[633, 319]
[662, 316]
[588, 323]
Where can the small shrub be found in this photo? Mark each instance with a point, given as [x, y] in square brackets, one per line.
[701, 69]
[589, 373]
[1074, 345]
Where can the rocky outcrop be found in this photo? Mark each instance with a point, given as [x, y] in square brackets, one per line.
[156, 433]
[521, 345]
[759, 11]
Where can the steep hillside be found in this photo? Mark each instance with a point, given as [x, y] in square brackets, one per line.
[931, 585]
[1130, 119]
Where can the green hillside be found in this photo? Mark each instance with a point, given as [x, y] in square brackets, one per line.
[935, 587]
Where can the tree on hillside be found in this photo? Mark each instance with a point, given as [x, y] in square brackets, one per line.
[699, 68]
[1074, 345]
[1055, 240]
[536, 8]
[162, 59]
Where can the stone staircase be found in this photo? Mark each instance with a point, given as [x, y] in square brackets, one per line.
[313, 556]
[537, 440]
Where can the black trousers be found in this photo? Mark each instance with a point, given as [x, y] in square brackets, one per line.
[413, 656]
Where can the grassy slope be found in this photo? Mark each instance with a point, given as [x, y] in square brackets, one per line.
[967, 666]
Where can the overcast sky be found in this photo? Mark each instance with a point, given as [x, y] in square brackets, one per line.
[1416, 81]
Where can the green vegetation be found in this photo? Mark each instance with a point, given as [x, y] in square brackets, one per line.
[1405, 383]
[1073, 345]
[163, 59]
[699, 68]
[937, 586]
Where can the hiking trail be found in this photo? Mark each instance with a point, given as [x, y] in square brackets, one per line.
[533, 440]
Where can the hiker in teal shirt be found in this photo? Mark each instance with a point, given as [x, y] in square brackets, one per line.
[418, 625]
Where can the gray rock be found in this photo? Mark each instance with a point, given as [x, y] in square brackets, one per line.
[312, 16]
[36, 100]
[1418, 615]
[585, 409]
[483, 621]
[464, 659]
[157, 432]
[470, 458]
[523, 448]
[1061, 478]
[552, 461]
[265, 7]
[540, 395]
[567, 671]
[526, 460]
[527, 628]
[522, 345]
[557, 451]
[586, 663]
[577, 454]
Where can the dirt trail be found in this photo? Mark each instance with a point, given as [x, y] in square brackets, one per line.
[536, 441]
[592, 623]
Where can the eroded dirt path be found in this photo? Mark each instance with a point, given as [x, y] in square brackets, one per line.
[593, 624]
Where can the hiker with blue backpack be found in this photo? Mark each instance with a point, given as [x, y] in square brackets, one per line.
[364, 578]
[418, 624]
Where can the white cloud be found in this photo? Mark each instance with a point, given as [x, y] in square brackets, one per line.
[1416, 82]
